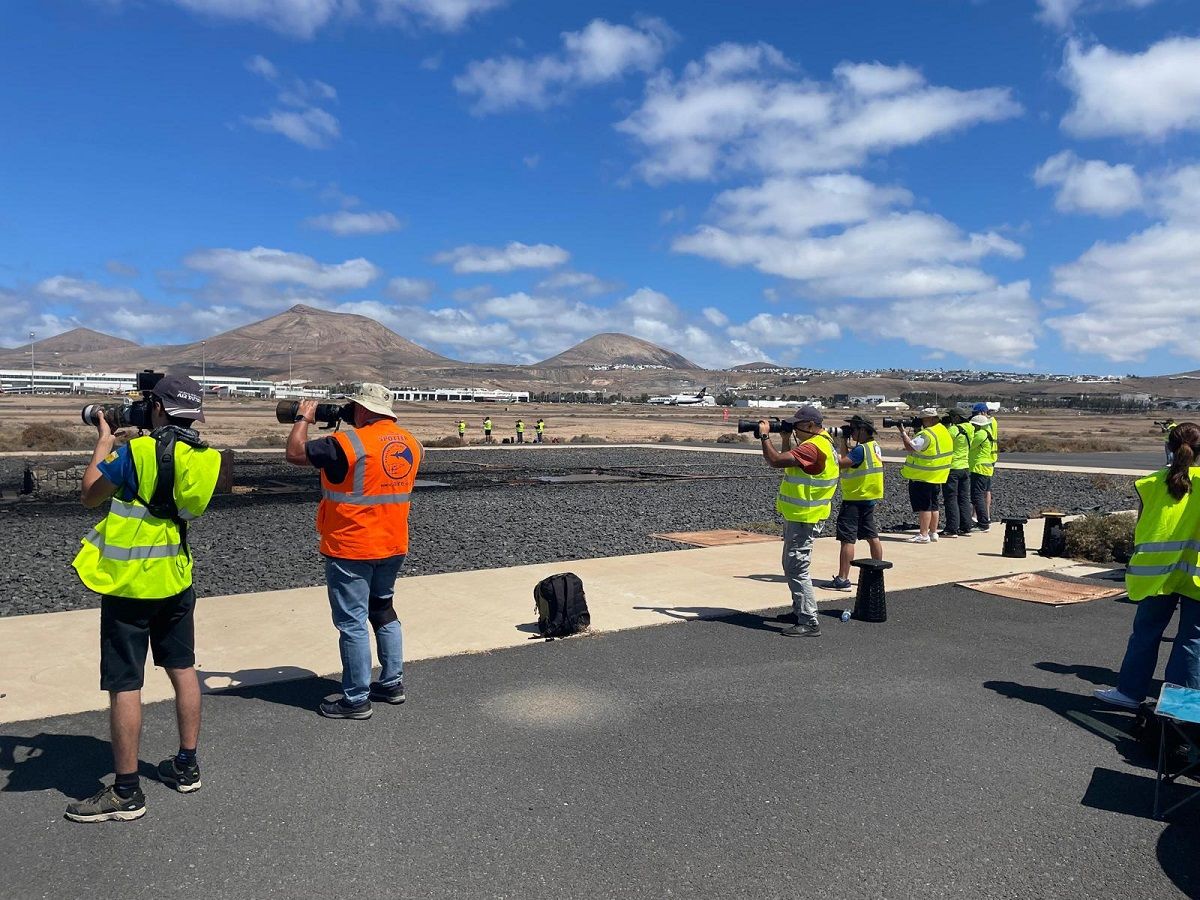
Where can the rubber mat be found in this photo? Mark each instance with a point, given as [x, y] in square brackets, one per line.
[719, 538]
[1037, 588]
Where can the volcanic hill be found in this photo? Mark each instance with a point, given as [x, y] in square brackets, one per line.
[617, 349]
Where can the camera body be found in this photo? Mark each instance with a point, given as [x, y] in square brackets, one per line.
[330, 415]
[776, 425]
[914, 423]
[126, 415]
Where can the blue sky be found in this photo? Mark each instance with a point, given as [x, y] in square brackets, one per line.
[1005, 184]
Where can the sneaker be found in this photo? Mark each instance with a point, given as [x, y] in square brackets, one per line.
[340, 709]
[381, 694]
[919, 539]
[184, 780]
[1115, 698]
[108, 806]
[983, 528]
[839, 584]
[933, 537]
[952, 535]
[964, 534]
[803, 631]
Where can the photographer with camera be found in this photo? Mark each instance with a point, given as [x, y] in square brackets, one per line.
[927, 468]
[862, 489]
[367, 477]
[983, 453]
[804, 500]
[956, 492]
[138, 559]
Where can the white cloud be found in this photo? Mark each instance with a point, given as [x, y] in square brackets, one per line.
[1059, 13]
[786, 330]
[344, 222]
[583, 283]
[599, 53]
[440, 15]
[795, 206]
[124, 269]
[460, 330]
[62, 287]
[261, 266]
[473, 259]
[1090, 186]
[742, 107]
[304, 18]
[715, 317]
[1148, 95]
[301, 119]
[998, 325]
[416, 289]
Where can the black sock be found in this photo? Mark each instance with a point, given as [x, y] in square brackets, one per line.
[185, 758]
[126, 785]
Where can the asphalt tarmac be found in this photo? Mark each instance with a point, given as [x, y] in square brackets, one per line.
[1144, 460]
[952, 752]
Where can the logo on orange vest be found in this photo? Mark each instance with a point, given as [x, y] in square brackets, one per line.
[397, 460]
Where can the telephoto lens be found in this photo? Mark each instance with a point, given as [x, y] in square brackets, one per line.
[327, 413]
[116, 416]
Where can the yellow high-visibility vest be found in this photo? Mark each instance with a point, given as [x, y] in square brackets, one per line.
[1166, 541]
[985, 448]
[865, 481]
[806, 498]
[133, 554]
[961, 433]
[931, 465]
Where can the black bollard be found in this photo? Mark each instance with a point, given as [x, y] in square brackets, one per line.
[1054, 535]
[1014, 537]
[870, 603]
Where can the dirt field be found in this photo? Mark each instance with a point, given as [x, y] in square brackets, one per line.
[241, 423]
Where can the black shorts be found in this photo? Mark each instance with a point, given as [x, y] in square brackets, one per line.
[856, 521]
[923, 496]
[127, 626]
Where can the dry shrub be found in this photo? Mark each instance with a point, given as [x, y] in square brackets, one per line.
[1102, 482]
[451, 441]
[667, 439]
[733, 437]
[49, 437]
[1101, 538]
[265, 439]
[588, 439]
[1039, 443]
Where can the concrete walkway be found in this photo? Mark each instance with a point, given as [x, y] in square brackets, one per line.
[49, 663]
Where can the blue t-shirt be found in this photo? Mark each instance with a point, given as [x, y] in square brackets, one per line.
[118, 468]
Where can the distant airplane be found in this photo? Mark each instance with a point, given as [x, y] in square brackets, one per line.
[700, 398]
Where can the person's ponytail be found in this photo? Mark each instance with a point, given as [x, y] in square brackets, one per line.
[1183, 442]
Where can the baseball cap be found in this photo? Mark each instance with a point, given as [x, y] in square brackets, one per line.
[374, 397]
[979, 408]
[806, 413]
[180, 396]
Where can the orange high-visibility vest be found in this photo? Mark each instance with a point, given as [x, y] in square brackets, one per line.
[365, 515]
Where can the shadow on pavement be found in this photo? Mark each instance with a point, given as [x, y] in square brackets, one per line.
[1094, 674]
[717, 614]
[1177, 854]
[305, 691]
[211, 680]
[768, 579]
[72, 764]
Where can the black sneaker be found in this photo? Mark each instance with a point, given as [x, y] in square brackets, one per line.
[802, 631]
[108, 806]
[184, 780]
[381, 694]
[340, 709]
[966, 533]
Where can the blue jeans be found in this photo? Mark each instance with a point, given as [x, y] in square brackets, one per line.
[360, 592]
[1141, 656]
[798, 540]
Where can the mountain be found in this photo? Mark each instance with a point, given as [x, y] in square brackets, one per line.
[759, 366]
[64, 351]
[325, 346]
[617, 349]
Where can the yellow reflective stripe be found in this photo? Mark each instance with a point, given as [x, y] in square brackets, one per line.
[125, 554]
[1166, 546]
[128, 510]
[796, 501]
[1180, 566]
[861, 473]
[810, 480]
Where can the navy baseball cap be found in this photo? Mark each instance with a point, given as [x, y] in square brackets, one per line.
[979, 407]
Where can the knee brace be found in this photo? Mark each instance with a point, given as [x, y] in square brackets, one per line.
[380, 612]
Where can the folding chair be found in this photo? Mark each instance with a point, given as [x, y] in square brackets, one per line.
[1177, 708]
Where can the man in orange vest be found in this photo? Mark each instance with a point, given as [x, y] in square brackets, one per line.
[367, 477]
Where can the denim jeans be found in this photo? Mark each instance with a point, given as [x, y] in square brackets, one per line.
[798, 540]
[956, 493]
[980, 485]
[357, 588]
[1141, 656]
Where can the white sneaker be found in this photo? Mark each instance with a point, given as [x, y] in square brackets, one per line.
[919, 539]
[1116, 698]
[933, 537]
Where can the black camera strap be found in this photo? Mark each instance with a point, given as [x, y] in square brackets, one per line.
[162, 502]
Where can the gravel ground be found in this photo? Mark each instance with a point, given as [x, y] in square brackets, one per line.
[494, 513]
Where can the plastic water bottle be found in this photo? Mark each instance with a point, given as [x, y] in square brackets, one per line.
[845, 615]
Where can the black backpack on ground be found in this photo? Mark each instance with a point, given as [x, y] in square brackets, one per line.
[561, 606]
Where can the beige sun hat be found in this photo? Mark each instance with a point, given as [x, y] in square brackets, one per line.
[374, 397]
